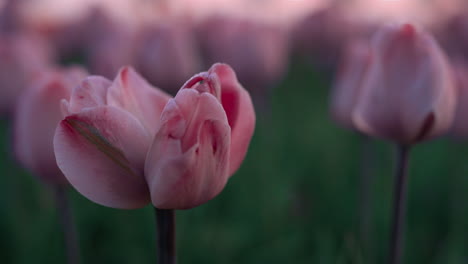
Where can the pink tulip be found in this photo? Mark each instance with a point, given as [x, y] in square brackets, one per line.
[37, 114]
[257, 51]
[21, 56]
[109, 45]
[453, 35]
[203, 139]
[10, 16]
[349, 81]
[408, 92]
[118, 147]
[102, 143]
[322, 35]
[460, 123]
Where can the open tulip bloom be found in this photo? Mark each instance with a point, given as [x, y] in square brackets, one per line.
[125, 143]
[407, 96]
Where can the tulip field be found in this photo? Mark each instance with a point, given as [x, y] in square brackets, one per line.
[294, 200]
[234, 131]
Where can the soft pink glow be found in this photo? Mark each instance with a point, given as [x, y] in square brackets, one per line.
[277, 11]
[419, 11]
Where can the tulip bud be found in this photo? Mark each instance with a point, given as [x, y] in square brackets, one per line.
[101, 144]
[321, 35]
[348, 82]
[237, 104]
[110, 45]
[37, 115]
[408, 91]
[257, 51]
[21, 56]
[203, 138]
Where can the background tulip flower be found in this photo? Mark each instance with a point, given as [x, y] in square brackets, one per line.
[37, 115]
[109, 45]
[10, 17]
[408, 94]
[102, 143]
[21, 56]
[322, 34]
[257, 51]
[349, 81]
[167, 54]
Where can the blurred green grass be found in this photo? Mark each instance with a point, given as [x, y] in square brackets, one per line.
[294, 200]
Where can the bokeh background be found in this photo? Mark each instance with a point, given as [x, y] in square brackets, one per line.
[298, 196]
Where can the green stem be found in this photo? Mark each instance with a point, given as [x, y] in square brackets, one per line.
[399, 205]
[67, 225]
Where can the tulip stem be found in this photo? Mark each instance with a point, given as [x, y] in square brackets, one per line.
[68, 226]
[399, 205]
[165, 221]
[365, 194]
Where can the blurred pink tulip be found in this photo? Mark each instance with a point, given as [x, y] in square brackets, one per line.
[167, 55]
[37, 115]
[322, 35]
[348, 82]
[21, 56]
[204, 135]
[258, 52]
[408, 93]
[10, 17]
[109, 45]
[101, 144]
[460, 123]
[453, 36]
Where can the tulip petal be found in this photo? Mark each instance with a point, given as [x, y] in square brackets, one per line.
[188, 161]
[204, 82]
[101, 152]
[134, 94]
[90, 93]
[240, 113]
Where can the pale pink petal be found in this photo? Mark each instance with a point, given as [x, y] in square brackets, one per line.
[90, 93]
[205, 82]
[101, 152]
[188, 161]
[240, 113]
[134, 94]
